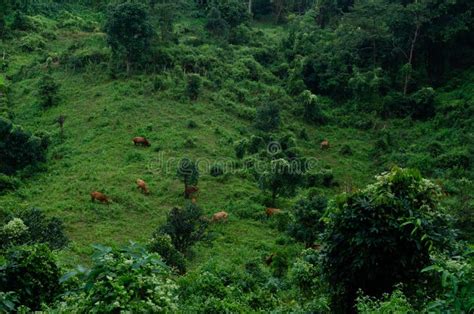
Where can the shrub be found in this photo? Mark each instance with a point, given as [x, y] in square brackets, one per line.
[312, 111]
[255, 144]
[234, 12]
[324, 177]
[267, 117]
[216, 24]
[307, 225]
[31, 272]
[396, 302]
[216, 170]
[346, 150]
[42, 229]
[455, 285]
[13, 233]
[382, 235]
[125, 280]
[48, 91]
[8, 183]
[188, 172]
[32, 42]
[162, 245]
[305, 273]
[423, 103]
[240, 148]
[191, 124]
[185, 226]
[193, 87]
[21, 149]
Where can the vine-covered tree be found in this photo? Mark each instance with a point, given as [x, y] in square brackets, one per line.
[383, 235]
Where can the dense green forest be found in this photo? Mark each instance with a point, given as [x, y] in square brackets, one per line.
[234, 156]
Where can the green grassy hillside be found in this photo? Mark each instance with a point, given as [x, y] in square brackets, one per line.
[105, 108]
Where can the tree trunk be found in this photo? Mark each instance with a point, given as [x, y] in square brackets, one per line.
[250, 7]
[127, 63]
[410, 59]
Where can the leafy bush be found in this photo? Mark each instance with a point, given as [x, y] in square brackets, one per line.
[188, 172]
[268, 117]
[8, 183]
[185, 226]
[346, 150]
[162, 245]
[234, 12]
[307, 225]
[216, 24]
[389, 303]
[216, 170]
[124, 280]
[31, 272]
[42, 229]
[455, 278]
[383, 235]
[32, 42]
[323, 177]
[305, 273]
[193, 87]
[240, 148]
[48, 91]
[312, 111]
[13, 233]
[21, 149]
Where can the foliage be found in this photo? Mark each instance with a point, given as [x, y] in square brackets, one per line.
[312, 108]
[385, 231]
[193, 87]
[396, 302]
[188, 172]
[123, 280]
[31, 272]
[19, 149]
[129, 32]
[163, 245]
[48, 91]
[234, 12]
[281, 177]
[216, 24]
[216, 170]
[185, 226]
[456, 284]
[32, 226]
[307, 225]
[268, 117]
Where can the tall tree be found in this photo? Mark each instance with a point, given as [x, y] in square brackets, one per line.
[129, 32]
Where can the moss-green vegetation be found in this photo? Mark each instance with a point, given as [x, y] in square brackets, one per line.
[244, 100]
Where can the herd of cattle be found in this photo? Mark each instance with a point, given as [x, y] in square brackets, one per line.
[189, 190]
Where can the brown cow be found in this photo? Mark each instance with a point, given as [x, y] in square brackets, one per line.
[220, 216]
[324, 144]
[141, 141]
[190, 190]
[272, 211]
[99, 197]
[142, 186]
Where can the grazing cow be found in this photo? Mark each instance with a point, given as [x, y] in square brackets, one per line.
[142, 186]
[190, 190]
[141, 141]
[99, 197]
[324, 144]
[220, 216]
[272, 211]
